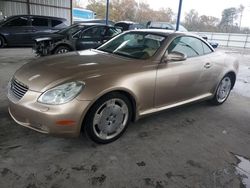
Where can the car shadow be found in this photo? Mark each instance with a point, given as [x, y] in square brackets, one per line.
[12, 132]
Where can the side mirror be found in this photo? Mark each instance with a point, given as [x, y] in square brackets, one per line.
[204, 37]
[174, 56]
[214, 44]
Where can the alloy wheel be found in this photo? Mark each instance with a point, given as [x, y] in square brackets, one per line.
[223, 89]
[110, 119]
[62, 51]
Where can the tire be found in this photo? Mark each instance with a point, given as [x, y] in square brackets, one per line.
[62, 50]
[108, 118]
[223, 90]
[2, 42]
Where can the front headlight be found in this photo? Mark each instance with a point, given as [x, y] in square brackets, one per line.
[61, 94]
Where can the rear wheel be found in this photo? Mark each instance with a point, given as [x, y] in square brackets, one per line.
[223, 90]
[108, 118]
[62, 50]
[1, 42]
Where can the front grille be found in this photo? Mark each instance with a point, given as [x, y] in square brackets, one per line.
[18, 89]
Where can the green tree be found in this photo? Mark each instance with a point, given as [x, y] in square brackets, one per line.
[143, 12]
[191, 20]
[129, 10]
[194, 22]
[164, 15]
[98, 6]
[123, 10]
[228, 18]
[208, 23]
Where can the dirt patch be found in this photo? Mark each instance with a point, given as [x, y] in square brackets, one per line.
[154, 183]
[142, 163]
[98, 180]
[170, 175]
[79, 168]
[194, 164]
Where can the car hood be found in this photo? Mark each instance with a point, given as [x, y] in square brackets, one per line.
[47, 72]
[52, 36]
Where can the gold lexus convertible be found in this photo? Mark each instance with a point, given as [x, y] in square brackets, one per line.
[100, 91]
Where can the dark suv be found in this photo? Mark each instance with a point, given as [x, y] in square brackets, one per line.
[20, 30]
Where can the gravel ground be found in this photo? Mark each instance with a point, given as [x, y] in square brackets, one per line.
[194, 146]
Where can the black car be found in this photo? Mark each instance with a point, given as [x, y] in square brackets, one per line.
[165, 25]
[79, 36]
[20, 30]
[128, 25]
[96, 21]
[169, 26]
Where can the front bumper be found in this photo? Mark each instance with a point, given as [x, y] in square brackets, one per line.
[48, 119]
[43, 48]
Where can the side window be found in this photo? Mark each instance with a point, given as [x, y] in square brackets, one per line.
[55, 23]
[42, 22]
[112, 32]
[94, 32]
[22, 21]
[207, 50]
[190, 46]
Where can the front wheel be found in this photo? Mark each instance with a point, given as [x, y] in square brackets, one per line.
[223, 90]
[108, 118]
[62, 50]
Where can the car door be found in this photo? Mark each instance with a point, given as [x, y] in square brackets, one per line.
[40, 26]
[178, 81]
[18, 30]
[212, 68]
[110, 33]
[90, 38]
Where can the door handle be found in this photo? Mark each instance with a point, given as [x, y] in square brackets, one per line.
[207, 65]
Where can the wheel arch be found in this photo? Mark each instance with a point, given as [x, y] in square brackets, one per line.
[4, 38]
[62, 44]
[232, 74]
[131, 97]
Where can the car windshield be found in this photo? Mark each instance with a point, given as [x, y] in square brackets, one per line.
[71, 29]
[136, 45]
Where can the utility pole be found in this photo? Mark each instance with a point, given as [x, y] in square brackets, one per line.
[179, 16]
[28, 7]
[71, 12]
[107, 12]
